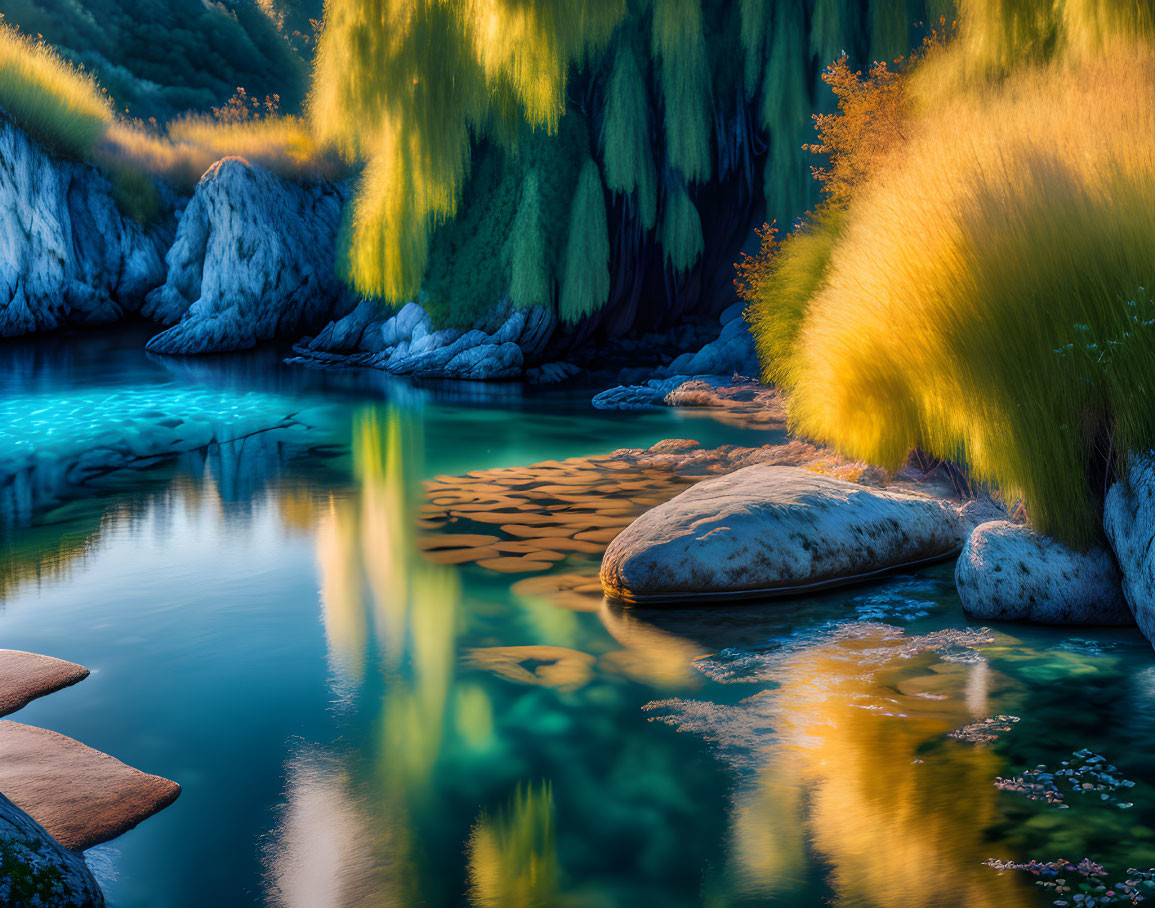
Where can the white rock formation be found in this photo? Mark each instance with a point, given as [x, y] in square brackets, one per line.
[406, 343]
[1129, 522]
[769, 530]
[1008, 572]
[254, 259]
[68, 256]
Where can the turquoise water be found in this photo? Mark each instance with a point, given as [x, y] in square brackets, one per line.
[350, 725]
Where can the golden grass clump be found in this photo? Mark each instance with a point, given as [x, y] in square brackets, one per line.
[981, 299]
[57, 104]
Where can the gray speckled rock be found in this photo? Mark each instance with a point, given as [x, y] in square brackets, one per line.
[1129, 522]
[1008, 572]
[67, 254]
[769, 530]
[253, 260]
[36, 870]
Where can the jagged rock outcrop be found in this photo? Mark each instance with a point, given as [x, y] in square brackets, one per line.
[36, 870]
[771, 530]
[1129, 522]
[254, 259]
[68, 256]
[1008, 572]
[499, 346]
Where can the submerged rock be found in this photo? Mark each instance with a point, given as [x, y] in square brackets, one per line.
[26, 676]
[81, 796]
[1008, 572]
[770, 530]
[37, 870]
[68, 256]
[1129, 522]
[253, 260]
[407, 343]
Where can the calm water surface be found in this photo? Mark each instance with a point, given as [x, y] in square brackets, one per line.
[349, 727]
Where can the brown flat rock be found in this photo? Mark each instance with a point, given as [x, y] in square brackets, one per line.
[81, 796]
[26, 676]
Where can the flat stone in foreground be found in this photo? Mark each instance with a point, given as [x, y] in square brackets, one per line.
[768, 530]
[26, 676]
[1008, 572]
[81, 796]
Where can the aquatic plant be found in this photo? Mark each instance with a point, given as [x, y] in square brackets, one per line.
[53, 101]
[1087, 773]
[926, 315]
[1092, 890]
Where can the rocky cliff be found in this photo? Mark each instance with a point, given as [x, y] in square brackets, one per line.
[68, 256]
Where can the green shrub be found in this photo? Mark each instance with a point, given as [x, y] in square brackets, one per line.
[585, 283]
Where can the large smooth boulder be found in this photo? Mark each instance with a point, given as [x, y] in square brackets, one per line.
[1008, 572]
[80, 795]
[254, 259]
[1129, 522]
[769, 530]
[37, 870]
[68, 256]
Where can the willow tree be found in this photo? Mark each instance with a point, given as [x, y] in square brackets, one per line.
[406, 86]
[553, 151]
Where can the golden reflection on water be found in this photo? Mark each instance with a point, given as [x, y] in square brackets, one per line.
[850, 783]
[512, 855]
[848, 763]
[377, 591]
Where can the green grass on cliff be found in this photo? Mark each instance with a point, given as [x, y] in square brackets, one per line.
[57, 104]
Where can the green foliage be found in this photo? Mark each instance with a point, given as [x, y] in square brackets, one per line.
[58, 105]
[679, 48]
[471, 256]
[682, 240]
[755, 36]
[786, 114]
[832, 28]
[160, 58]
[778, 283]
[585, 284]
[530, 277]
[890, 27]
[136, 193]
[378, 94]
[626, 143]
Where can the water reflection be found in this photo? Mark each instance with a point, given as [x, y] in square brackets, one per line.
[845, 759]
[512, 855]
[391, 622]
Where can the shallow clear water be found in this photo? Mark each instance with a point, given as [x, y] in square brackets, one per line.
[351, 726]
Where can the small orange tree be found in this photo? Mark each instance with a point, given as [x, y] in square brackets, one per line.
[866, 128]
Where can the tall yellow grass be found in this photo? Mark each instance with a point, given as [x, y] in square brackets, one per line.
[192, 144]
[63, 108]
[1018, 219]
[53, 101]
